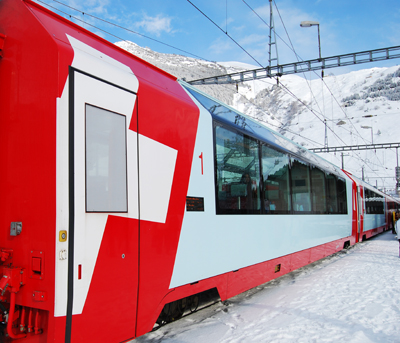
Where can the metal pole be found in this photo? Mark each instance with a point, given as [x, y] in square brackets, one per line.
[319, 44]
[342, 161]
[372, 135]
[319, 49]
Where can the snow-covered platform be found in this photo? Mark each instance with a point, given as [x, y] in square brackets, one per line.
[352, 296]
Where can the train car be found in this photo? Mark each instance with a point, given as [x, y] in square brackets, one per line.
[374, 209]
[126, 193]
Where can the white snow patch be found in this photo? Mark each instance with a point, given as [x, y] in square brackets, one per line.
[352, 296]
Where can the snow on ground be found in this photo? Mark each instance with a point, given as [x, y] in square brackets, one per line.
[352, 296]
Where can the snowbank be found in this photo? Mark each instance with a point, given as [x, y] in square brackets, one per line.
[352, 296]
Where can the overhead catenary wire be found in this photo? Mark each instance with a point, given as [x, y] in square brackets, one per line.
[116, 25]
[324, 83]
[122, 39]
[226, 33]
[119, 26]
[89, 15]
[287, 90]
[291, 47]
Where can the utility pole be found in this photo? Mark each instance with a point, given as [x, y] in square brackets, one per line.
[397, 173]
[326, 134]
[272, 40]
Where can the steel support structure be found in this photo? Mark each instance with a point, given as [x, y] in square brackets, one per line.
[303, 66]
[356, 147]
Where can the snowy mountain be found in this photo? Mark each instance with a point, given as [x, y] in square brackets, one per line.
[352, 109]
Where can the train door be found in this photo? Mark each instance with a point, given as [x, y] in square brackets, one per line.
[360, 212]
[103, 210]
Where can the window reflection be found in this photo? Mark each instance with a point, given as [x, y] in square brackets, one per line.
[253, 177]
[238, 172]
[275, 170]
[318, 190]
[301, 194]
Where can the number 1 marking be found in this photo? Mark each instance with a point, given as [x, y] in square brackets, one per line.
[201, 157]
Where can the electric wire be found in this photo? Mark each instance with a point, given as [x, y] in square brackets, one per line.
[324, 83]
[78, 19]
[291, 47]
[108, 22]
[116, 25]
[284, 87]
[122, 39]
[230, 37]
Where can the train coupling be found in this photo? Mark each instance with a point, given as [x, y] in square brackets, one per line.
[12, 280]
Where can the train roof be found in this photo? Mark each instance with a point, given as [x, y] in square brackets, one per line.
[226, 114]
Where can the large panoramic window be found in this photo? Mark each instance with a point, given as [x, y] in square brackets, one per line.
[301, 190]
[238, 172]
[331, 194]
[318, 190]
[255, 178]
[374, 202]
[342, 196]
[275, 171]
[106, 185]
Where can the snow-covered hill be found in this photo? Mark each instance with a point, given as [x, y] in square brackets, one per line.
[357, 108]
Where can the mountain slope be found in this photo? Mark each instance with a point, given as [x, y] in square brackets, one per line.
[357, 108]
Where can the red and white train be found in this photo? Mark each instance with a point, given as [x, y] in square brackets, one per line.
[125, 192]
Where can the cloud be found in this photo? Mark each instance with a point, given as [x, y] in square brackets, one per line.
[253, 39]
[220, 46]
[97, 6]
[90, 6]
[155, 25]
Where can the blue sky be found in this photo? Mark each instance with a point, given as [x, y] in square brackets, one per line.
[346, 26]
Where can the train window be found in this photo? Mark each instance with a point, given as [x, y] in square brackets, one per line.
[374, 202]
[238, 173]
[275, 171]
[318, 190]
[301, 193]
[331, 194]
[342, 196]
[106, 185]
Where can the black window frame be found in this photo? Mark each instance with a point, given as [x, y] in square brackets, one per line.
[341, 205]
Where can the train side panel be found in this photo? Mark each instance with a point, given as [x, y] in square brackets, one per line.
[227, 243]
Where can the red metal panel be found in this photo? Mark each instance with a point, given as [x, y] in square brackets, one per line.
[176, 119]
[354, 210]
[317, 253]
[112, 299]
[30, 79]
[300, 259]
[333, 247]
[249, 277]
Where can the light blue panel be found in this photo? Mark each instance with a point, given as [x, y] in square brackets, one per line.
[372, 221]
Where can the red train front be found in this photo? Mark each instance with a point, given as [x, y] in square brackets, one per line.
[121, 196]
[72, 111]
